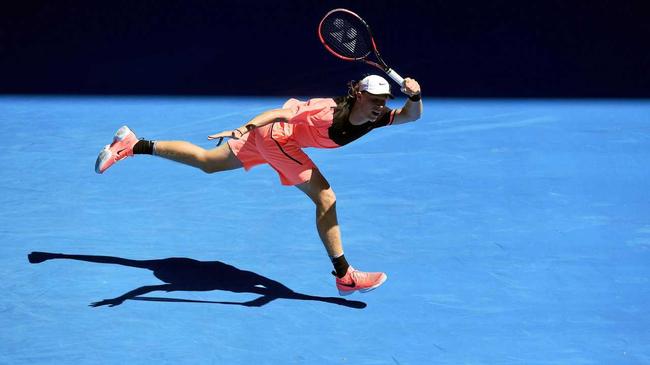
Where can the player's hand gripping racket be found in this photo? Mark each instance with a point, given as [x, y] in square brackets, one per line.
[348, 37]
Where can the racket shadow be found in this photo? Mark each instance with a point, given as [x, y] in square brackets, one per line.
[185, 274]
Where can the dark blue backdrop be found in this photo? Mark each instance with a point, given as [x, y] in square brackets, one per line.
[454, 48]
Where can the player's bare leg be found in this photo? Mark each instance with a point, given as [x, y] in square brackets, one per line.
[348, 279]
[126, 144]
[210, 161]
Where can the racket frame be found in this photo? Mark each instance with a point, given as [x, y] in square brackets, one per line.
[380, 65]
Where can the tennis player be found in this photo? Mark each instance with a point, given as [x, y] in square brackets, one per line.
[277, 137]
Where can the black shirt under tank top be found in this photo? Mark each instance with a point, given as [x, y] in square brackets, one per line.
[342, 131]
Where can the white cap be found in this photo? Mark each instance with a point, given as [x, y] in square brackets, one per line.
[375, 85]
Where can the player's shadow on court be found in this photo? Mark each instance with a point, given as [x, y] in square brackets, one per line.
[183, 274]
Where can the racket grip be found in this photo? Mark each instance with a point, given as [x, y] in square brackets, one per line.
[393, 75]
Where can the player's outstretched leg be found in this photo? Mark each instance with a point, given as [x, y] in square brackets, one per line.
[126, 144]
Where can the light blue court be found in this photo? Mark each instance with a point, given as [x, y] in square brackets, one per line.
[512, 232]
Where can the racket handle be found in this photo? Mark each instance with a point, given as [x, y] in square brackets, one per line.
[393, 75]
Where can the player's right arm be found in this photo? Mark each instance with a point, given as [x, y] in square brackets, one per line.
[412, 110]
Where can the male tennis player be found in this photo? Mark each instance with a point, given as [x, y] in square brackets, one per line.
[277, 137]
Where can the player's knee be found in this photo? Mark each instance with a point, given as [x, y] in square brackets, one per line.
[209, 168]
[326, 198]
[217, 160]
[204, 163]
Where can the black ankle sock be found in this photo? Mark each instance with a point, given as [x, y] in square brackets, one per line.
[143, 147]
[340, 265]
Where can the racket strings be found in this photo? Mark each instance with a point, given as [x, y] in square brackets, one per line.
[346, 35]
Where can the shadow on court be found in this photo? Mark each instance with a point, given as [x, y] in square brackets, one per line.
[184, 274]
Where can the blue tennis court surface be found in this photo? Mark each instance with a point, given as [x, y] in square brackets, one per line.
[512, 232]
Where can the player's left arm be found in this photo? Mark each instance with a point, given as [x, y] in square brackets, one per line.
[412, 109]
[261, 120]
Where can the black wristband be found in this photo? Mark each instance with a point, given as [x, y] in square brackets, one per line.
[415, 97]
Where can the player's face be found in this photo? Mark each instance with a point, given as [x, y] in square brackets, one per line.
[371, 105]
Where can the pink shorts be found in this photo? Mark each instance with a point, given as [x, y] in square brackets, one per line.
[260, 146]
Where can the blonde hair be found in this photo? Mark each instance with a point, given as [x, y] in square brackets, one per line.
[353, 89]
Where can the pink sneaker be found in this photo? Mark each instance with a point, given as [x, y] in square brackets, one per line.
[121, 148]
[358, 280]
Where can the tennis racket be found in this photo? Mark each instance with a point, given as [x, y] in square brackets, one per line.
[348, 37]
